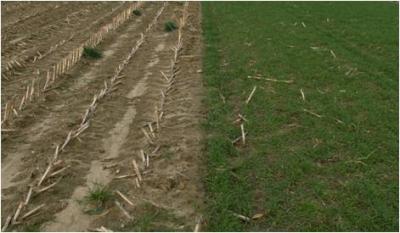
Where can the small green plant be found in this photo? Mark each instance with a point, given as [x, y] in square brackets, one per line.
[170, 26]
[98, 195]
[90, 52]
[150, 218]
[137, 12]
[169, 155]
[32, 227]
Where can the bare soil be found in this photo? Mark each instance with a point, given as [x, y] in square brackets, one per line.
[171, 188]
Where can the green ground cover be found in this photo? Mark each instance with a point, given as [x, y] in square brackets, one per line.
[328, 162]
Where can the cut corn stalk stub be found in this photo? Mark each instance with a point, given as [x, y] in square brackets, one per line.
[126, 214]
[242, 117]
[124, 198]
[137, 182]
[48, 187]
[55, 157]
[243, 134]
[238, 138]
[147, 161]
[302, 95]
[33, 211]
[257, 216]
[17, 212]
[242, 217]
[66, 140]
[197, 228]
[151, 130]
[6, 223]
[59, 171]
[251, 94]
[45, 174]
[312, 113]
[333, 54]
[147, 136]
[124, 176]
[143, 156]
[157, 118]
[28, 196]
[136, 168]
[15, 112]
[22, 103]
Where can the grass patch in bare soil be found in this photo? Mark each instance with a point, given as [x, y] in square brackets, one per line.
[35, 227]
[149, 218]
[92, 53]
[97, 198]
[307, 173]
[137, 12]
[169, 26]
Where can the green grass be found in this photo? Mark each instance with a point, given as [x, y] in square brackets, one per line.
[306, 173]
[137, 12]
[170, 26]
[98, 195]
[92, 53]
[32, 227]
[151, 219]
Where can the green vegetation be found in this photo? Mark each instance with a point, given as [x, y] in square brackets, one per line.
[137, 12]
[150, 218]
[93, 53]
[35, 227]
[98, 195]
[170, 26]
[336, 172]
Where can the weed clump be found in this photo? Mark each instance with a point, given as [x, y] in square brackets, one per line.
[170, 26]
[93, 53]
[137, 12]
[98, 195]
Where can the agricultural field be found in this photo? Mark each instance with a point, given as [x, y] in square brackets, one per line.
[199, 116]
[321, 152]
[110, 135]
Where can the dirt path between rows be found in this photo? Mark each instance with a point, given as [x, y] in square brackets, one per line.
[171, 188]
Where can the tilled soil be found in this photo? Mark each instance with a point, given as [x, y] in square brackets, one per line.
[170, 191]
[15, 13]
[68, 28]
